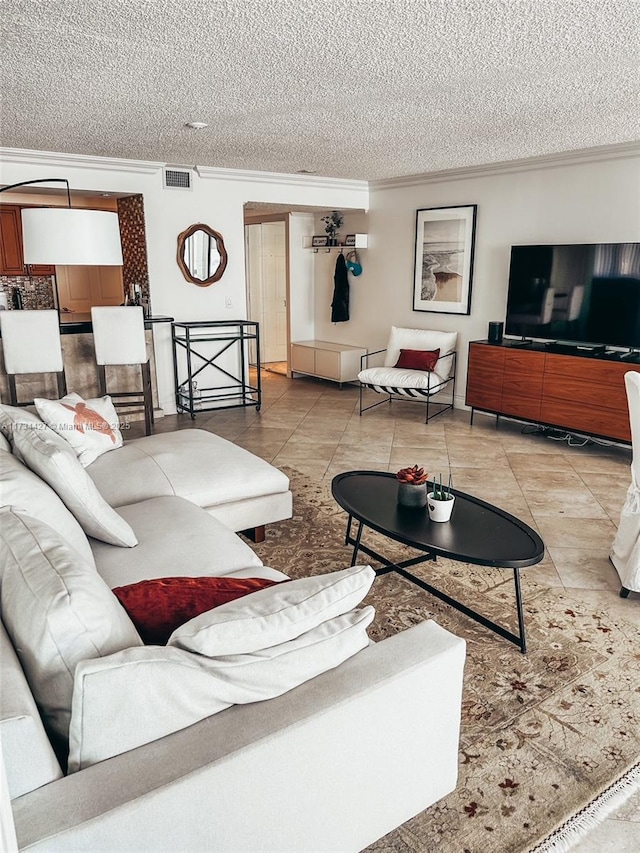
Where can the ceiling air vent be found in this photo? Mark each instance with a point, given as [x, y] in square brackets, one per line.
[177, 179]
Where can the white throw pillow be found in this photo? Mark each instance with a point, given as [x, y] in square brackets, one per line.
[57, 610]
[53, 459]
[22, 490]
[90, 426]
[13, 419]
[274, 615]
[140, 695]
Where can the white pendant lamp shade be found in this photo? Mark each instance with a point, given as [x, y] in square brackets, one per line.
[69, 236]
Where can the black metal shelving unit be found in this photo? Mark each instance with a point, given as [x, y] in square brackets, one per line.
[193, 366]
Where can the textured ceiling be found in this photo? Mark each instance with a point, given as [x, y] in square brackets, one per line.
[365, 89]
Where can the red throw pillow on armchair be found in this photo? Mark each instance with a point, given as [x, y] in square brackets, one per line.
[418, 359]
[160, 605]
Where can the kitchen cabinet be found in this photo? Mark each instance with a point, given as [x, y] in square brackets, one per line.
[11, 252]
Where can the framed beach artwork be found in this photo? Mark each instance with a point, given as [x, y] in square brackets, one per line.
[445, 238]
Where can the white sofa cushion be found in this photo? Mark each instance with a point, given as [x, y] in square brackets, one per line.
[399, 377]
[29, 759]
[57, 610]
[421, 339]
[139, 695]
[90, 426]
[175, 538]
[274, 615]
[21, 489]
[53, 459]
[192, 464]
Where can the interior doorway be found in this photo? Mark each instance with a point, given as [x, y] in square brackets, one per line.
[266, 252]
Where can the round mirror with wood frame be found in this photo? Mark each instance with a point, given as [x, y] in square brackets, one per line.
[202, 256]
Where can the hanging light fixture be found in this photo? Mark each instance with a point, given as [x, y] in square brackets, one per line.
[68, 236]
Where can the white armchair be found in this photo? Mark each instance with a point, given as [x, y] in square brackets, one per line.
[398, 382]
[625, 551]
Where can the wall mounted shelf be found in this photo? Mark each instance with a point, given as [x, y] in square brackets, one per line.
[358, 241]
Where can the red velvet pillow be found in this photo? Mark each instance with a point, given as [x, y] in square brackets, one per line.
[158, 606]
[418, 359]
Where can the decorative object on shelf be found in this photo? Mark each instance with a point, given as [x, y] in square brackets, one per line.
[332, 222]
[445, 240]
[202, 256]
[440, 501]
[412, 486]
[190, 395]
[319, 241]
[353, 263]
[358, 241]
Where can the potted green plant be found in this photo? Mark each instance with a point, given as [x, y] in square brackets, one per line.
[412, 486]
[440, 501]
[332, 223]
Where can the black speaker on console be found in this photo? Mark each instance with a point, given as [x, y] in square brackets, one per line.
[495, 333]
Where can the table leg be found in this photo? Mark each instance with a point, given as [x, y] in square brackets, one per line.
[347, 538]
[523, 642]
[401, 569]
[356, 544]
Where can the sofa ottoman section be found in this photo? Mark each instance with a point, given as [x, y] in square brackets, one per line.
[232, 484]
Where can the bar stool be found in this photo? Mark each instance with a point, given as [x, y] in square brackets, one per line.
[118, 338]
[31, 344]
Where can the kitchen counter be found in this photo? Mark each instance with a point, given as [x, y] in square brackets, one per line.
[71, 324]
[80, 367]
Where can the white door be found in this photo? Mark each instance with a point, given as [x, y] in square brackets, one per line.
[266, 265]
[253, 266]
[274, 292]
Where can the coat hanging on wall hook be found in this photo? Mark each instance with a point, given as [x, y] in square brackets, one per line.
[340, 302]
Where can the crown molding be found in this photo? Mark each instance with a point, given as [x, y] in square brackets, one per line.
[280, 178]
[548, 161]
[82, 161]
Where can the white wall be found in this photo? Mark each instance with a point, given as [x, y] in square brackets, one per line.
[217, 199]
[573, 202]
[301, 283]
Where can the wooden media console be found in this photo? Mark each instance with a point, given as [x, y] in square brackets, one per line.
[581, 393]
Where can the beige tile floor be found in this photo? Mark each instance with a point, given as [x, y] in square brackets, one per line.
[571, 495]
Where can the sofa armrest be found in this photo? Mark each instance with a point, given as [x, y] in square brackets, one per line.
[129, 698]
[332, 765]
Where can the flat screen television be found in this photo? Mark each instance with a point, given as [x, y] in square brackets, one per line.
[586, 294]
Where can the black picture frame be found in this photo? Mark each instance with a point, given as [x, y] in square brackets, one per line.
[444, 254]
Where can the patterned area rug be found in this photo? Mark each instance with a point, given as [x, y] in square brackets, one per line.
[543, 734]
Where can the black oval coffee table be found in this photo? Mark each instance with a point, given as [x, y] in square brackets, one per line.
[477, 533]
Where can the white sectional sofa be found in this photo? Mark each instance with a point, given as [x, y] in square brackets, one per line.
[330, 765]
